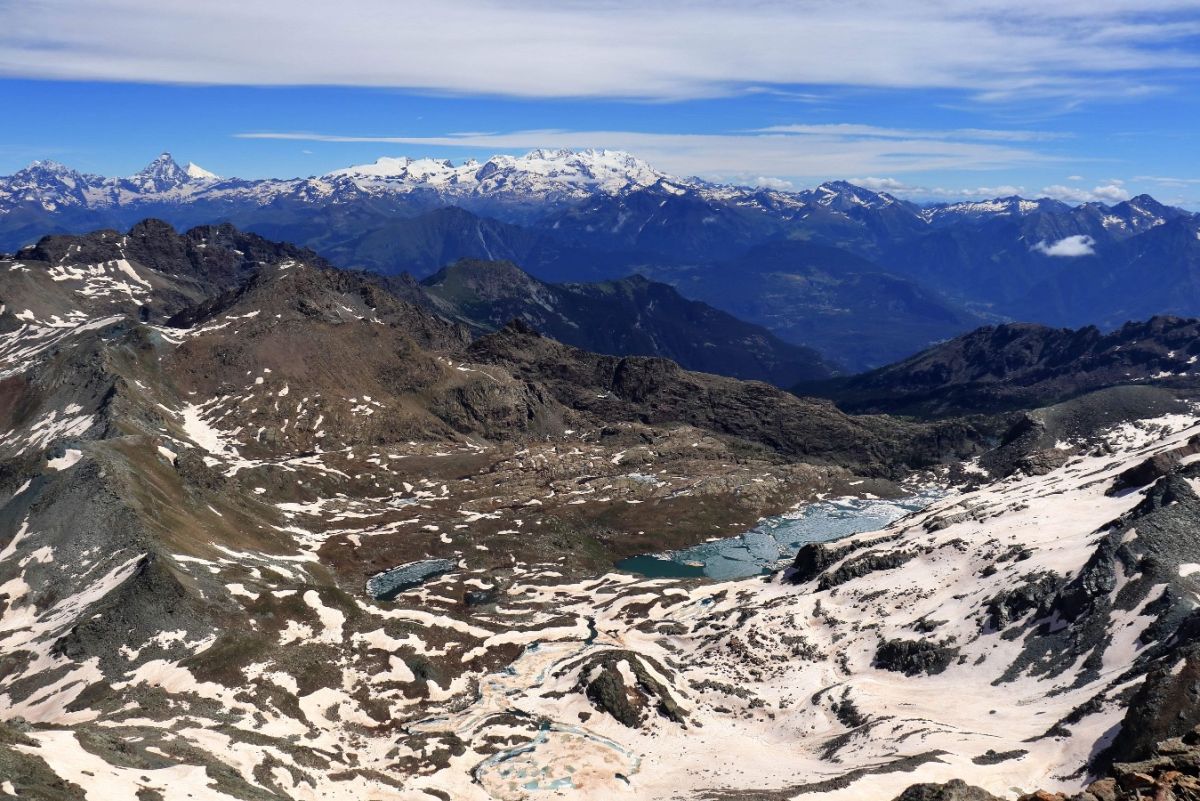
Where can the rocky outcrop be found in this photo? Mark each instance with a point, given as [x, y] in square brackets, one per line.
[953, 790]
[618, 683]
[1041, 440]
[1033, 594]
[1153, 468]
[914, 657]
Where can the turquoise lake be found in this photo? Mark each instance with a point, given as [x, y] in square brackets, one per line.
[759, 550]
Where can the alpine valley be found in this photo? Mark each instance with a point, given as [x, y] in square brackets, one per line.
[399, 483]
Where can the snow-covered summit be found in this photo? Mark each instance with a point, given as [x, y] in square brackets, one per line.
[198, 173]
[539, 174]
[844, 196]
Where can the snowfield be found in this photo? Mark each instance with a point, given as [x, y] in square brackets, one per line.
[747, 685]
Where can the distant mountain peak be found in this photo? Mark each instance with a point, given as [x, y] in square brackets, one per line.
[160, 175]
[843, 195]
[48, 165]
[47, 171]
[163, 163]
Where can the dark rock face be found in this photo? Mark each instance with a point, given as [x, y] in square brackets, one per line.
[1165, 706]
[1034, 594]
[914, 657]
[864, 565]
[811, 560]
[1153, 468]
[814, 558]
[609, 691]
[953, 790]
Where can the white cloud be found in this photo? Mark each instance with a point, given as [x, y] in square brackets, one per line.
[996, 49]
[890, 185]
[1068, 247]
[735, 157]
[769, 182]
[938, 193]
[1112, 192]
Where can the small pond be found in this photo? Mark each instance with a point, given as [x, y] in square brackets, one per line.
[387, 585]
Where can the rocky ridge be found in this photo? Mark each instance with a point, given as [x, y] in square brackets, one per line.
[1020, 365]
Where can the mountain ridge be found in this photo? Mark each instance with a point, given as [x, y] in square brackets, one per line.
[630, 316]
[1023, 365]
[540, 172]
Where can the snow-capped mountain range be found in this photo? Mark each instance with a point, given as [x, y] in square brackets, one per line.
[541, 177]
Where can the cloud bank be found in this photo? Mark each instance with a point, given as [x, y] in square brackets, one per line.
[746, 158]
[659, 49]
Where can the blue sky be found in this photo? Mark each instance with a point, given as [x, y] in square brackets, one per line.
[931, 99]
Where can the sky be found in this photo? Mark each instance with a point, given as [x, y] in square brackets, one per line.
[929, 99]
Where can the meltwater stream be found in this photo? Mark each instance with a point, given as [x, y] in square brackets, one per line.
[760, 549]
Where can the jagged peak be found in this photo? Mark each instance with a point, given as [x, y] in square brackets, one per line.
[161, 174]
[163, 162]
[845, 194]
[48, 165]
[46, 169]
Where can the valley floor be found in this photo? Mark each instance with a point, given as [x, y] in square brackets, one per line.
[614, 686]
[199, 484]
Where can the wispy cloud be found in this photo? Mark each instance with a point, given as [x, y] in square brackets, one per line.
[904, 189]
[660, 49]
[1166, 180]
[850, 130]
[1113, 191]
[732, 157]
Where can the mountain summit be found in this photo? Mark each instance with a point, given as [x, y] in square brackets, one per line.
[160, 175]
